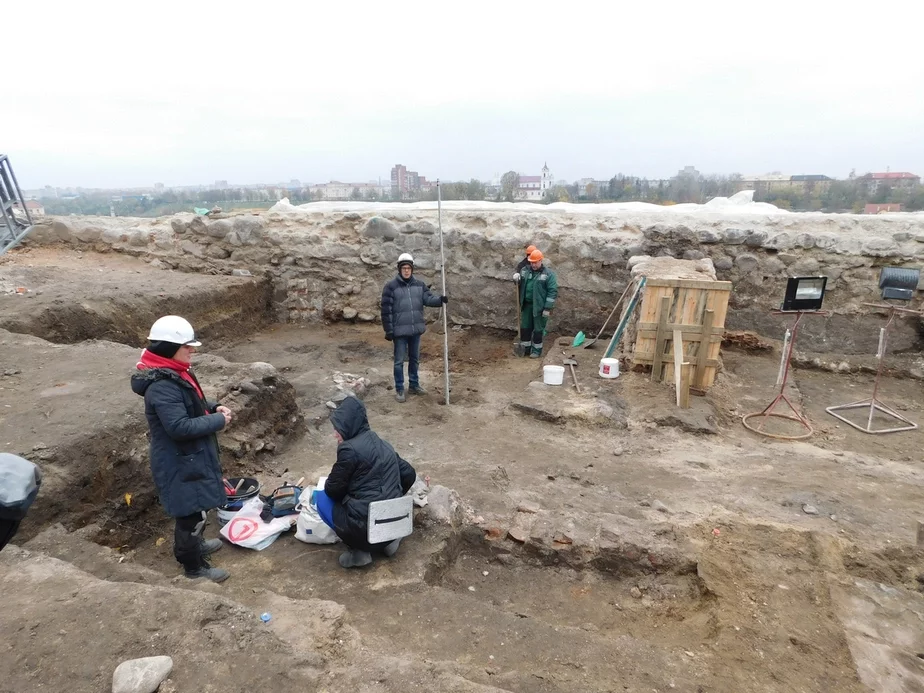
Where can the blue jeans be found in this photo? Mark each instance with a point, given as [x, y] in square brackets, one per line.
[408, 347]
[325, 506]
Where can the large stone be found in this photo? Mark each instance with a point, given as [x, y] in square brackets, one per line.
[112, 236]
[755, 239]
[217, 252]
[219, 229]
[806, 267]
[192, 248]
[689, 420]
[141, 675]
[746, 263]
[880, 247]
[88, 234]
[734, 236]
[723, 262]
[443, 506]
[163, 239]
[379, 227]
[249, 230]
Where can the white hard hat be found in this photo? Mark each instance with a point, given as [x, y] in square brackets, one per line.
[173, 329]
[405, 257]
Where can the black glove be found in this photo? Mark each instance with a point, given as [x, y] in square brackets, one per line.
[389, 336]
[444, 299]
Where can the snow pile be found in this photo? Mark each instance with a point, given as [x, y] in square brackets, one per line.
[739, 203]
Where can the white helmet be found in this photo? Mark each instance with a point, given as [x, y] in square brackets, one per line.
[173, 329]
[405, 258]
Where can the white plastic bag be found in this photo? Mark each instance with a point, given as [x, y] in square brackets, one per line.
[248, 529]
[309, 527]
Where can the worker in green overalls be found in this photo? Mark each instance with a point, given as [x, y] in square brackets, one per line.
[538, 291]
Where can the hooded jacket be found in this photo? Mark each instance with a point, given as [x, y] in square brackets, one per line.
[367, 469]
[403, 301]
[184, 449]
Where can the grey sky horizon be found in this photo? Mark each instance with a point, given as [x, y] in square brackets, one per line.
[123, 95]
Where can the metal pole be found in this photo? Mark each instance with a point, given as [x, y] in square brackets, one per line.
[439, 222]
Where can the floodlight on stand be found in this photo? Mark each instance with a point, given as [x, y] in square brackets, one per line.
[804, 293]
[896, 284]
[804, 296]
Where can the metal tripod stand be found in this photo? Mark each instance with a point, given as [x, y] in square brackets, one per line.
[782, 379]
[874, 404]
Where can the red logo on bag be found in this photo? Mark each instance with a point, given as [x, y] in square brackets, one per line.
[241, 528]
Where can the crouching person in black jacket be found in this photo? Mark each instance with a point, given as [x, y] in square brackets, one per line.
[367, 470]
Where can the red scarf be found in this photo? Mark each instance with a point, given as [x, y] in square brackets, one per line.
[149, 360]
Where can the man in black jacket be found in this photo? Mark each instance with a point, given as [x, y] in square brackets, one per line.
[367, 470]
[403, 301]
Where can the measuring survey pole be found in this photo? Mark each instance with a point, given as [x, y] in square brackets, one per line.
[439, 222]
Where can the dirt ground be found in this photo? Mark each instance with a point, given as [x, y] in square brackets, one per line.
[603, 541]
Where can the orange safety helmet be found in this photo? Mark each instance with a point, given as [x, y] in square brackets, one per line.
[536, 256]
[530, 249]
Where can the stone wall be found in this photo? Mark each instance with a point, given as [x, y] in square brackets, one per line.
[331, 265]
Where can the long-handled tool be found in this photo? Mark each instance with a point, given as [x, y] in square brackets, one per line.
[590, 344]
[571, 363]
[518, 349]
[626, 315]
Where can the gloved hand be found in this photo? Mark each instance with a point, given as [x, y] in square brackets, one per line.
[389, 336]
[516, 277]
[546, 313]
[444, 299]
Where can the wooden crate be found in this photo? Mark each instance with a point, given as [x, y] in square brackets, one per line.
[695, 308]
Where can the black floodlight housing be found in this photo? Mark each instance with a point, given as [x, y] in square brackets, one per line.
[898, 283]
[804, 293]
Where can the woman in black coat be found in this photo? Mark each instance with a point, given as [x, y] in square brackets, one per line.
[184, 449]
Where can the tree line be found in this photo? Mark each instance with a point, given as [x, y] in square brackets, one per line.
[830, 196]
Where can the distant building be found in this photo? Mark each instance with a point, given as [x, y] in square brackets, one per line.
[220, 185]
[811, 184]
[36, 209]
[888, 208]
[893, 179]
[335, 190]
[535, 187]
[767, 183]
[406, 184]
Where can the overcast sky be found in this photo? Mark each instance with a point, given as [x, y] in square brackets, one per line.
[191, 92]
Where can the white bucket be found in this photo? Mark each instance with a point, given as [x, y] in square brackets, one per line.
[609, 368]
[225, 516]
[553, 375]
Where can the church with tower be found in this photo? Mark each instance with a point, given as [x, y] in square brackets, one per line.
[533, 188]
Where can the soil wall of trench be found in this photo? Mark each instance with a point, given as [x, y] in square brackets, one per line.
[330, 264]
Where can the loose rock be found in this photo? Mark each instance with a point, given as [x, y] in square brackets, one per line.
[141, 675]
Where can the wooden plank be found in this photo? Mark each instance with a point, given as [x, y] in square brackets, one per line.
[690, 284]
[688, 334]
[660, 339]
[648, 359]
[720, 306]
[705, 344]
[678, 360]
[684, 394]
